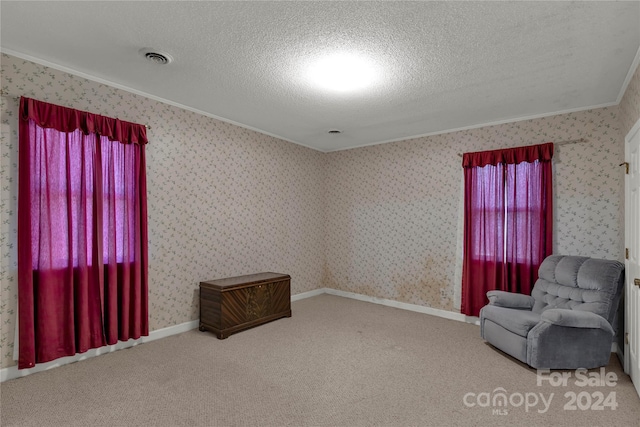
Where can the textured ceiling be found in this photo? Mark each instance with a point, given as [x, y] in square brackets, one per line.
[441, 65]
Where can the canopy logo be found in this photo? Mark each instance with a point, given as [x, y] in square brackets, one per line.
[500, 401]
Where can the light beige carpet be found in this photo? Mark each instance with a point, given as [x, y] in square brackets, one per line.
[336, 362]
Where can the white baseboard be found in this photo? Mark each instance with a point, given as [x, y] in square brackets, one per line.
[405, 306]
[309, 294]
[13, 372]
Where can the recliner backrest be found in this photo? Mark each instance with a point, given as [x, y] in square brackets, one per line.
[579, 283]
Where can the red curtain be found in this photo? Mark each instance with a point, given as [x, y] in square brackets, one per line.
[82, 232]
[508, 221]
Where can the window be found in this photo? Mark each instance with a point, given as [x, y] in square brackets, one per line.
[82, 232]
[508, 221]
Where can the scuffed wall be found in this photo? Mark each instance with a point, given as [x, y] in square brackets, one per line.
[394, 219]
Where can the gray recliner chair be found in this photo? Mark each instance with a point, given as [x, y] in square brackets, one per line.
[569, 320]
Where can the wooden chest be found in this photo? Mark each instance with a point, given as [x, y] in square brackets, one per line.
[234, 304]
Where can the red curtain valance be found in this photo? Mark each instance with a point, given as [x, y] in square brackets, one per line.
[511, 156]
[65, 119]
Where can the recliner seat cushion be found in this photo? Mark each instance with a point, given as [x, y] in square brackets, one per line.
[520, 322]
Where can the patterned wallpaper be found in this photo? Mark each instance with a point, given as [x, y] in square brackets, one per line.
[383, 221]
[630, 104]
[394, 217]
[222, 200]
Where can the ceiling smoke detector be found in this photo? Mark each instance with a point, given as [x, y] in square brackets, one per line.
[156, 57]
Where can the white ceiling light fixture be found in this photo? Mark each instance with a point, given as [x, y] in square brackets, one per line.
[342, 72]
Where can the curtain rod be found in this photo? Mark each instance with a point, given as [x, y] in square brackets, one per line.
[6, 95]
[557, 144]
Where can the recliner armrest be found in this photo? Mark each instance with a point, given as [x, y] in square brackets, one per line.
[510, 300]
[575, 319]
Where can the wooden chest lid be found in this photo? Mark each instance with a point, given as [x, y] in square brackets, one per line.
[242, 281]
